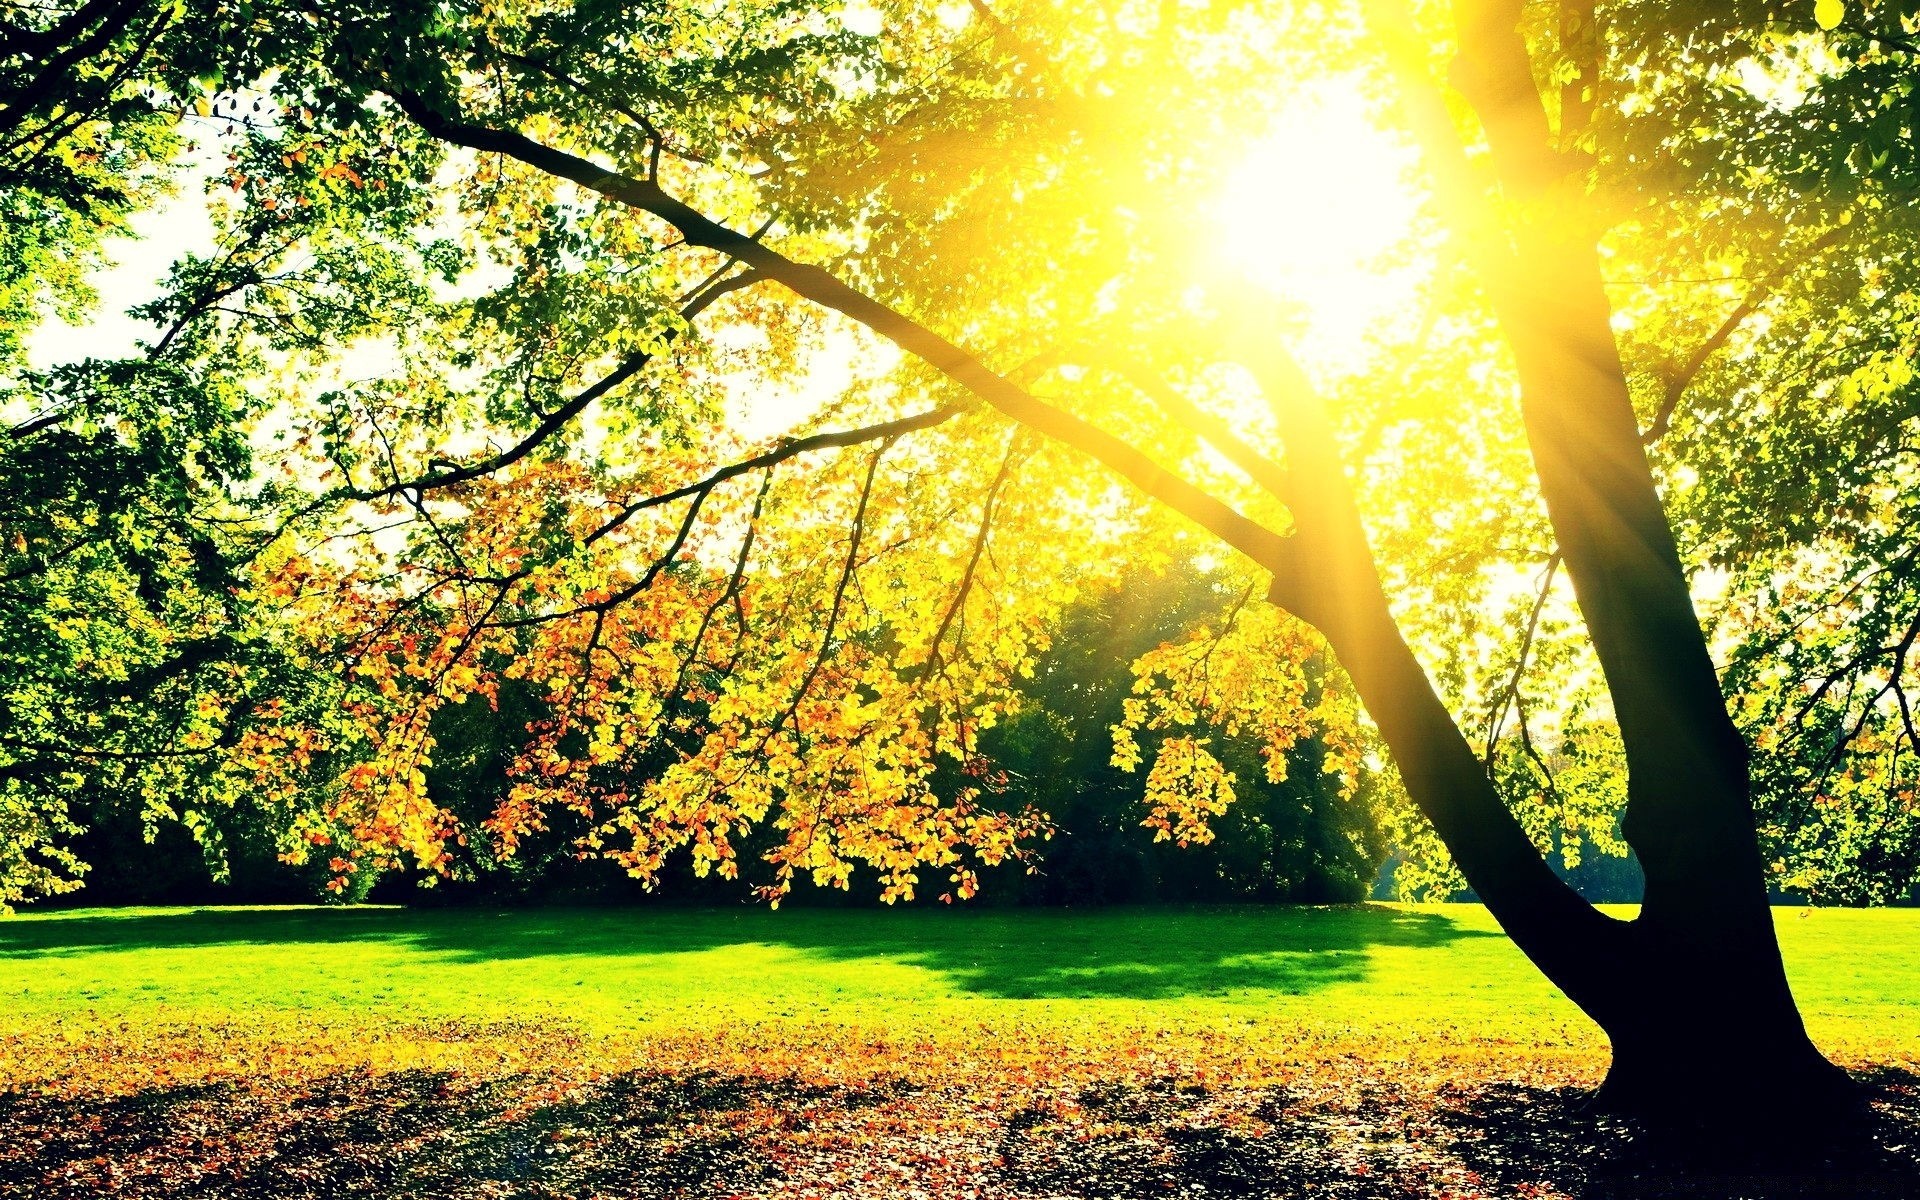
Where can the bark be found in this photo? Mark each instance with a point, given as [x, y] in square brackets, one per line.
[1704, 1011]
[1693, 992]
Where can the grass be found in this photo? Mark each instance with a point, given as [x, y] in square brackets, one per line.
[1371, 1051]
[1411, 973]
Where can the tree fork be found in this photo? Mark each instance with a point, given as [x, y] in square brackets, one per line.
[1706, 1014]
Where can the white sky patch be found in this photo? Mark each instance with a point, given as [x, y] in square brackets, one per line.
[1787, 75]
[179, 224]
[760, 409]
[862, 18]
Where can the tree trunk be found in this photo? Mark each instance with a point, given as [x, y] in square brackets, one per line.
[1708, 1036]
[1693, 993]
[1702, 1020]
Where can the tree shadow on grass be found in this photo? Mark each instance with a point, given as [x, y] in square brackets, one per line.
[1144, 953]
[1476, 1139]
[1150, 954]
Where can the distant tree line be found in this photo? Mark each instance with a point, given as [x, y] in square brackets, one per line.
[1299, 841]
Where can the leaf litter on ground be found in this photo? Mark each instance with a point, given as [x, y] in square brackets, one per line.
[787, 1111]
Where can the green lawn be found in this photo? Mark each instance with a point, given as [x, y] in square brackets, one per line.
[1417, 972]
[808, 1053]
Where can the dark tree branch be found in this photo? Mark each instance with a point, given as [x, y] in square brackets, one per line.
[1510, 695]
[108, 19]
[555, 421]
[1000, 478]
[1265, 547]
[1683, 376]
[789, 448]
[847, 569]
[735, 580]
[1270, 476]
[700, 489]
[1891, 41]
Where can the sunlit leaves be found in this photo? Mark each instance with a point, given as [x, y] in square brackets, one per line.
[401, 439]
[1186, 787]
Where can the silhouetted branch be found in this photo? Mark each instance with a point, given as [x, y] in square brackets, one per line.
[1264, 546]
[1682, 378]
[973, 561]
[1510, 695]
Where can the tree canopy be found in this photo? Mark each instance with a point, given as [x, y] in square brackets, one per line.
[455, 397]
[1495, 386]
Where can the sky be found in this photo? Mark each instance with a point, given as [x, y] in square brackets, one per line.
[179, 224]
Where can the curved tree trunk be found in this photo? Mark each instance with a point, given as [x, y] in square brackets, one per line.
[1693, 993]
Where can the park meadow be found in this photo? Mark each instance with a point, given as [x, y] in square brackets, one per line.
[1367, 1050]
[961, 599]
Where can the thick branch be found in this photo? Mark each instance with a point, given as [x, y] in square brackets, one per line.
[1686, 761]
[114, 17]
[1265, 547]
[1571, 941]
[1269, 475]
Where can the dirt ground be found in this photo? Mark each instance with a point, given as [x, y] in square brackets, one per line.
[422, 1133]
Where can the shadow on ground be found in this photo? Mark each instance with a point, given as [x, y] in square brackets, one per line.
[408, 1134]
[419, 1134]
[1133, 953]
[1486, 1140]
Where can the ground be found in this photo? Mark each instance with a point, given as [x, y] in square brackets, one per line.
[1369, 1051]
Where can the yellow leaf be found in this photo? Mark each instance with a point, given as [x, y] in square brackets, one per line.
[1827, 13]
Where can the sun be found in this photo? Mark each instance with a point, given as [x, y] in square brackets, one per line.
[1316, 210]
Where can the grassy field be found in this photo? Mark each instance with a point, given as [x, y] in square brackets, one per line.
[1372, 1051]
[1413, 974]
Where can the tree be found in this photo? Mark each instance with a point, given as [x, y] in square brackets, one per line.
[1306, 837]
[807, 640]
[1284, 829]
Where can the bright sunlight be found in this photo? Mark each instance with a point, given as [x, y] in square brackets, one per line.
[1316, 212]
